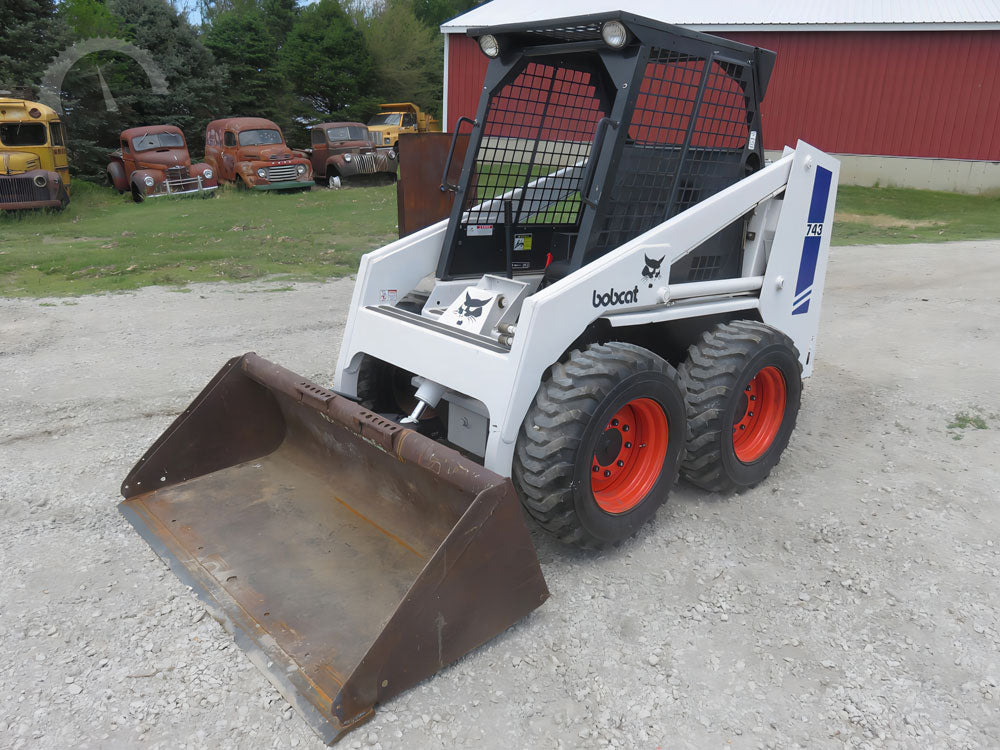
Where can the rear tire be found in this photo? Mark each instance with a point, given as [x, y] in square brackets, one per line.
[576, 470]
[744, 388]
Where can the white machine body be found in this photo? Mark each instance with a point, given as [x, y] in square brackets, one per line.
[488, 342]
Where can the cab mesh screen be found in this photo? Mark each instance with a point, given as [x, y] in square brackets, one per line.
[537, 136]
[685, 142]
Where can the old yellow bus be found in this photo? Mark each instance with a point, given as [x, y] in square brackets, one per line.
[34, 170]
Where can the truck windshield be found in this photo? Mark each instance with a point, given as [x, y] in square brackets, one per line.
[347, 133]
[387, 118]
[22, 134]
[149, 141]
[259, 137]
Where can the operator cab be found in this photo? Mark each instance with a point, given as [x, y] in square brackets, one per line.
[594, 131]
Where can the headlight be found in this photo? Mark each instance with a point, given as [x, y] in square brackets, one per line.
[301, 169]
[489, 45]
[262, 173]
[386, 139]
[614, 34]
[392, 154]
[347, 158]
[41, 180]
[207, 174]
[149, 181]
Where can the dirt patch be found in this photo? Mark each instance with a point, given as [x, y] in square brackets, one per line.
[50, 240]
[883, 221]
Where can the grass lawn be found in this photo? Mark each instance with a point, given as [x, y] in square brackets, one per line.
[868, 216]
[104, 242]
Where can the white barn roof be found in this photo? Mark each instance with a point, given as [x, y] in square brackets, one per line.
[770, 15]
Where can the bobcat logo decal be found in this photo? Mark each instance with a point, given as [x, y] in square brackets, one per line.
[472, 308]
[652, 269]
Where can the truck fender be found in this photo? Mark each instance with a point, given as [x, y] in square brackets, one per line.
[199, 169]
[138, 183]
[116, 176]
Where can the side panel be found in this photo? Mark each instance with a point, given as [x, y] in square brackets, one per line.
[792, 293]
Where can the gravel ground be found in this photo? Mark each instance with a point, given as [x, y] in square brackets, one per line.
[849, 601]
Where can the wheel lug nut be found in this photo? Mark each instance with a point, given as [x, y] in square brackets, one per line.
[614, 422]
[753, 398]
[625, 428]
[621, 463]
[597, 469]
[743, 426]
[628, 445]
[607, 473]
[749, 413]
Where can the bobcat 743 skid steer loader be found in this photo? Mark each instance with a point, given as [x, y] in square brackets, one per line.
[623, 293]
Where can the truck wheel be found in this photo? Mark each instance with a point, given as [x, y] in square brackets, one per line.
[333, 182]
[600, 448]
[744, 386]
[137, 195]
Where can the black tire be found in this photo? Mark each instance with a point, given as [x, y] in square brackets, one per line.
[567, 429]
[137, 195]
[728, 362]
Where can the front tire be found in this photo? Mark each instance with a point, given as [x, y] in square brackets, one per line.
[744, 387]
[600, 448]
[137, 195]
[334, 182]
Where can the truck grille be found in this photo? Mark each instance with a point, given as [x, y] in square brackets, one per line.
[18, 190]
[366, 163]
[178, 173]
[280, 174]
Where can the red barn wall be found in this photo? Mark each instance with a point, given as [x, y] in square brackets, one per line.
[914, 93]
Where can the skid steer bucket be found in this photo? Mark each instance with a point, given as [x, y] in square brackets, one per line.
[349, 556]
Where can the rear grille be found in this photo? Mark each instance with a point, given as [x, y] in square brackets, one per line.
[280, 174]
[19, 190]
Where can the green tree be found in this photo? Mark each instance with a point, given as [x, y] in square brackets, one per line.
[31, 33]
[406, 54]
[327, 64]
[89, 18]
[194, 82]
[244, 44]
[435, 12]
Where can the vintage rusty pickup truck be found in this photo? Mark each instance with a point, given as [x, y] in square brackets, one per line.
[153, 161]
[342, 152]
[251, 152]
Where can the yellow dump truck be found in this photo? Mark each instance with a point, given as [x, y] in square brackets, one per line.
[34, 170]
[399, 117]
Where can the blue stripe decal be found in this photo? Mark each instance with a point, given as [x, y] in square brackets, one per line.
[821, 192]
[811, 243]
[807, 266]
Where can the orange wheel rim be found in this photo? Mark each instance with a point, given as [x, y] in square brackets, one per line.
[629, 455]
[759, 414]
